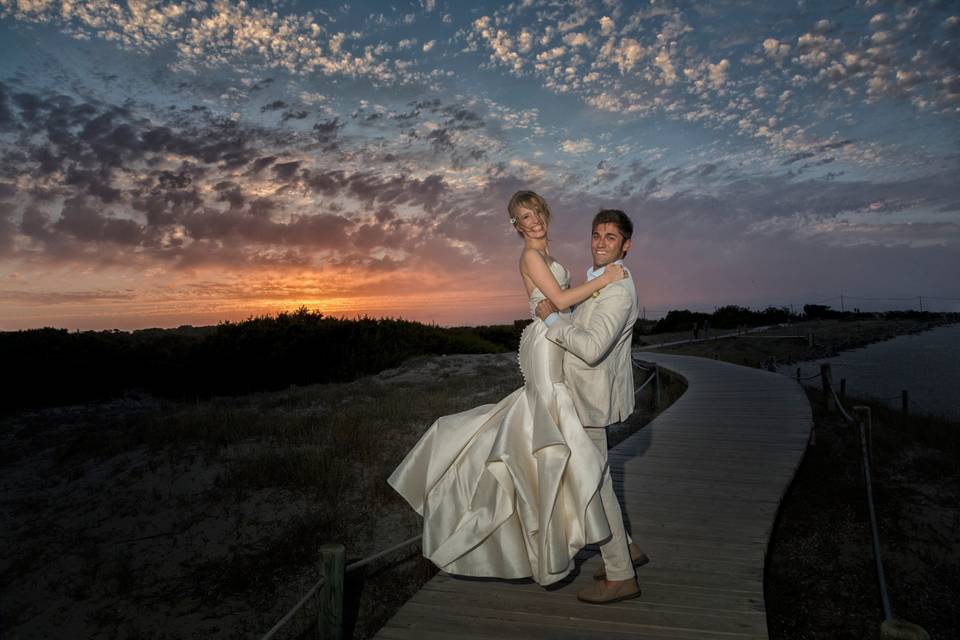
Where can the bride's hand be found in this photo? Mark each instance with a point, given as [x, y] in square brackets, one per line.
[613, 272]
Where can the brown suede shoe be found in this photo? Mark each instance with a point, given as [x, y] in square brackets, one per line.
[639, 559]
[607, 592]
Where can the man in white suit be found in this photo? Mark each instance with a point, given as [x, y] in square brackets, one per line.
[598, 370]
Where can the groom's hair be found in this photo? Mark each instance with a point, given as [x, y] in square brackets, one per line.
[528, 200]
[617, 217]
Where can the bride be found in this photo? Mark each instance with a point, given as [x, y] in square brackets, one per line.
[511, 490]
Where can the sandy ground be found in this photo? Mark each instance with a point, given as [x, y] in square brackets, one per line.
[163, 540]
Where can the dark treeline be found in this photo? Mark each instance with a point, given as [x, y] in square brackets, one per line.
[733, 316]
[51, 367]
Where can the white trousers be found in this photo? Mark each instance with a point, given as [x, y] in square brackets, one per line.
[616, 555]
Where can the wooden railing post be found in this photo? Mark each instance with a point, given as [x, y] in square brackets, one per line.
[330, 614]
[826, 381]
[798, 374]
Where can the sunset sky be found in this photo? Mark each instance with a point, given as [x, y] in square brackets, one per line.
[167, 163]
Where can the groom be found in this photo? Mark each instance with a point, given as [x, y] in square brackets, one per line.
[599, 373]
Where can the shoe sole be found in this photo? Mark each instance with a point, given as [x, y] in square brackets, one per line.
[629, 596]
[639, 562]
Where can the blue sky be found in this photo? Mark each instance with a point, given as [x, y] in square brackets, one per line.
[189, 162]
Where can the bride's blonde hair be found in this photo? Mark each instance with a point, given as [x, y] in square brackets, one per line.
[528, 200]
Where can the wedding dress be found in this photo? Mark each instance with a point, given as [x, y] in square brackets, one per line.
[510, 490]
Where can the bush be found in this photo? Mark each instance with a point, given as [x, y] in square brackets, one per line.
[55, 367]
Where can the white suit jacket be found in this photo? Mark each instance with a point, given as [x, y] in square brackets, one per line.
[596, 364]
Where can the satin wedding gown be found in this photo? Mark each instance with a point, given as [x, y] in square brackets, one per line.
[510, 490]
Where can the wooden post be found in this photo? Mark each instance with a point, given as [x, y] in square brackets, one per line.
[798, 374]
[826, 381]
[330, 614]
[905, 402]
[843, 388]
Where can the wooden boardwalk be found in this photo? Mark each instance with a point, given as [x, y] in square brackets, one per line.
[700, 486]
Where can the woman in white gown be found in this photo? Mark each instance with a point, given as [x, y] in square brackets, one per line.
[511, 490]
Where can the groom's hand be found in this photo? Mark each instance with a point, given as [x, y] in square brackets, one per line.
[545, 308]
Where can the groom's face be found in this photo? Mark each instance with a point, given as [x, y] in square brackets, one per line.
[607, 244]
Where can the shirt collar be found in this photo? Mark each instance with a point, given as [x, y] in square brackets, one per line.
[591, 273]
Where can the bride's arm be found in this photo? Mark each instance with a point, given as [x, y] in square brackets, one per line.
[535, 267]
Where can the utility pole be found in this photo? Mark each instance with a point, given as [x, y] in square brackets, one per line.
[921, 303]
[841, 303]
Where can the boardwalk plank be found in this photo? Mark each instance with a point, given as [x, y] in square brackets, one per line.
[699, 487]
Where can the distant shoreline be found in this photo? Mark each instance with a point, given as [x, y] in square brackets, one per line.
[830, 338]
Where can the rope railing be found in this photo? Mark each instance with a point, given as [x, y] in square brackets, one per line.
[654, 377]
[843, 412]
[361, 563]
[289, 615]
[744, 332]
[650, 378]
[908, 403]
[330, 614]
[891, 628]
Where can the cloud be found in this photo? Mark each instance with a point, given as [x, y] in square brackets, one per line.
[500, 43]
[326, 133]
[57, 297]
[574, 40]
[81, 220]
[258, 166]
[577, 146]
[668, 73]
[776, 50]
[276, 105]
[606, 26]
[7, 118]
[198, 189]
[718, 73]
[213, 34]
[626, 54]
[8, 229]
[815, 50]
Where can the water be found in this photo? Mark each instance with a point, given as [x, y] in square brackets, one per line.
[926, 364]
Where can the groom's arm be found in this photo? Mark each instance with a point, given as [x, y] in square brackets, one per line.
[591, 344]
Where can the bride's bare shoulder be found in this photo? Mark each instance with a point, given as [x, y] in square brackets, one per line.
[529, 254]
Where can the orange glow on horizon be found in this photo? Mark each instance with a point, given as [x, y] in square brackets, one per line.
[218, 296]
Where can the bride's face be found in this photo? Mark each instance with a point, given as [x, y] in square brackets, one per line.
[530, 223]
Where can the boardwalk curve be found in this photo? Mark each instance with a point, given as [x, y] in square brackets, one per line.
[700, 487]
